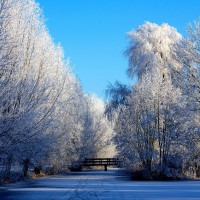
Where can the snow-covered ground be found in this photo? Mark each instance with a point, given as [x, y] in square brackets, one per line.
[98, 184]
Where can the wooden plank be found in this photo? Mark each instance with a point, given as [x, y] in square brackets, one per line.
[100, 161]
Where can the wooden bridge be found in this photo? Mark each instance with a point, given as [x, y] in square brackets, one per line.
[99, 162]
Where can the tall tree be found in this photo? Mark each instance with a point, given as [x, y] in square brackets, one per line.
[152, 124]
[36, 86]
[149, 49]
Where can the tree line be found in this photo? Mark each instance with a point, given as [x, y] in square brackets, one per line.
[157, 117]
[46, 120]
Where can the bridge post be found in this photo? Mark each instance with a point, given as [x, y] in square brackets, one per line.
[105, 168]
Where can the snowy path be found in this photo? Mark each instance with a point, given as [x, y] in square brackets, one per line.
[99, 185]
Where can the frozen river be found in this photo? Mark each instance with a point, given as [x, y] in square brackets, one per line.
[92, 184]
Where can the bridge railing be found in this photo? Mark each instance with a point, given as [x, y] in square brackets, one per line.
[96, 162]
[101, 162]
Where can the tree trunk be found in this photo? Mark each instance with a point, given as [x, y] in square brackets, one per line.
[8, 167]
[25, 166]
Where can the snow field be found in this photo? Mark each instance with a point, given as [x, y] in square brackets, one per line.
[99, 185]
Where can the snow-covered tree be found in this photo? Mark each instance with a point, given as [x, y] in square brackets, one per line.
[117, 95]
[149, 49]
[42, 103]
[32, 78]
[156, 129]
[149, 129]
[93, 139]
[187, 53]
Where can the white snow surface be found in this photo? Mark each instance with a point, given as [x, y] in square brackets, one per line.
[97, 184]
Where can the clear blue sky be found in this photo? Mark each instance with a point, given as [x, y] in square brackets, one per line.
[93, 32]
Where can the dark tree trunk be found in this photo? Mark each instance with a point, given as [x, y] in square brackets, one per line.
[25, 166]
